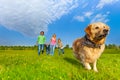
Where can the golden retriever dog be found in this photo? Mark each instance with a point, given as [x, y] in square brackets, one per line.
[89, 48]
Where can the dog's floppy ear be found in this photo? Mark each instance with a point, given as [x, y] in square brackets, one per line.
[88, 30]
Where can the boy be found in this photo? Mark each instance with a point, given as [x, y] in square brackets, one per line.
[41, 41]
[47, 48]
[60, 46]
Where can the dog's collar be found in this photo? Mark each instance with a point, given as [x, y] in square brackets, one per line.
[89, 43]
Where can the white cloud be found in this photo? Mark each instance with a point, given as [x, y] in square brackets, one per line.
[101, 18]
[102, 3]
[85, 15]
[91, 13]
[79, 18]
[85, 5]
[88, 14]
[30, 17]
[93, 17]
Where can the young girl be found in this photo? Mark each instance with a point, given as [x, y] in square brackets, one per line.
[52, 44]
[41, 41]
[60, 46]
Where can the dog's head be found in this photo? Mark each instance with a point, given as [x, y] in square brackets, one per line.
[97, 32]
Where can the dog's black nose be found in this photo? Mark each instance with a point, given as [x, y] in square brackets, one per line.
[105, 30]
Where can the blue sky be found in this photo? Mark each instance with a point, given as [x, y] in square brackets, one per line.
[21, 21]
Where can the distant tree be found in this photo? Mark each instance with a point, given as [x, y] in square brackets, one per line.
[35, 47]
[2, 48]
[71, 48]
[112, 46]
[106, 46]
[67, 46]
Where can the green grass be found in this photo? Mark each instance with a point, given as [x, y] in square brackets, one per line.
[27, 65]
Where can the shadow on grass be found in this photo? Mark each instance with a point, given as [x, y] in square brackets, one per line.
[73, 62]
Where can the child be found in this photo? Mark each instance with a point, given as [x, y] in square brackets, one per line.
[60, 46]
[47, 48]
[41, 41]
[52, 44]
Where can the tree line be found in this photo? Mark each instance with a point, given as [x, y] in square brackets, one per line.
[109, 46]
[23, 47]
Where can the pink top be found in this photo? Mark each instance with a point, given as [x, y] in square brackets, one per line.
[53, 41]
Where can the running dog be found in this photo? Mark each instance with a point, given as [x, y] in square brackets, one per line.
[90, 47]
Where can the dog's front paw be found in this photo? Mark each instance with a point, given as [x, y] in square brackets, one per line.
[95, 70]
[88, 67]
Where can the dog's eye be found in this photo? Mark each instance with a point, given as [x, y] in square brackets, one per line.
[97, 27]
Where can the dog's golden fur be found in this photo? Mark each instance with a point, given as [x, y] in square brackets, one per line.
[89, 48]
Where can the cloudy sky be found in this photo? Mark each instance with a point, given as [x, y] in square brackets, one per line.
[22, 20]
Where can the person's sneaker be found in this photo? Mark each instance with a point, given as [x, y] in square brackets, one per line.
[42, 52]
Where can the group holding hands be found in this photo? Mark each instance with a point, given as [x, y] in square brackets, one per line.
[50, 47]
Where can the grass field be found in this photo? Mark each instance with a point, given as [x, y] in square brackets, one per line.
[27, 65]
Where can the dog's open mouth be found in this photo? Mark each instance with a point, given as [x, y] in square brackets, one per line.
[102, 36]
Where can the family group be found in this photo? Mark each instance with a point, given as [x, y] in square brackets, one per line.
[50, 47]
